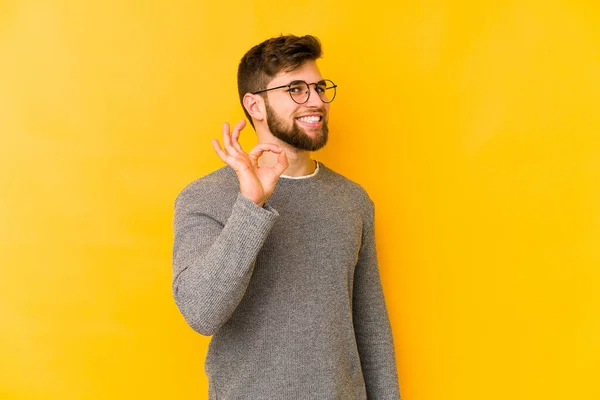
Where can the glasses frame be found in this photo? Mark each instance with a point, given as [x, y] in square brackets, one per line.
[289, 86]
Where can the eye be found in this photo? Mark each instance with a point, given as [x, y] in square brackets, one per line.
[321, 87]
[297, 87]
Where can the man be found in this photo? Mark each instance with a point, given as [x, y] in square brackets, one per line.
[274, 254]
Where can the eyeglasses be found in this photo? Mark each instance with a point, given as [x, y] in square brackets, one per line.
[300, 91]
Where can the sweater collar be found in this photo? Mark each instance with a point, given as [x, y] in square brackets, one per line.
[315, 172]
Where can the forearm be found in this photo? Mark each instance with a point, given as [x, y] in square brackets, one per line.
[377, 355]
[371, 322]
[213, 265]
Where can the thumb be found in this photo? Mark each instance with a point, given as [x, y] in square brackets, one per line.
[282, 163]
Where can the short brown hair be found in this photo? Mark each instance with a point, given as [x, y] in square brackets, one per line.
[262, 62]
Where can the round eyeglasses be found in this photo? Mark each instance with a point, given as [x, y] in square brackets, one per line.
[300, 91]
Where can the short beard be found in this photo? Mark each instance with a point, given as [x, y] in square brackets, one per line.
[294, 135]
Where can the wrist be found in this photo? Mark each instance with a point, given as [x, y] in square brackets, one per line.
[258, 201]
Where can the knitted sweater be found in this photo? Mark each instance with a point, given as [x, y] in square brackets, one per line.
[290, 291]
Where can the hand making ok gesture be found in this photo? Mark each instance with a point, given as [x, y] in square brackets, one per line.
[256, 183]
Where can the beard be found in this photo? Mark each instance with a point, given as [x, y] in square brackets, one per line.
[294, 135]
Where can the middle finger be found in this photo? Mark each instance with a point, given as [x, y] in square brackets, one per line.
[227, 140]
[235, 135]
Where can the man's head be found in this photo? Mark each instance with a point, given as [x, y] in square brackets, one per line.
[264, 75]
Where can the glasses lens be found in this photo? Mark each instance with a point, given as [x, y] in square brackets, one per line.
[299, 91]
[326, 90]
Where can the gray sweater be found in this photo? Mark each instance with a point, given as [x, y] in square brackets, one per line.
[290, 292]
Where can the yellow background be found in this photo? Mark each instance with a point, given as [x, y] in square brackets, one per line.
[473, 125]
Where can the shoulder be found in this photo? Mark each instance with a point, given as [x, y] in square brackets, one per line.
[341, 185]
[218, 186]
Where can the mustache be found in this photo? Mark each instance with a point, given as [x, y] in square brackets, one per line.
[319, 110]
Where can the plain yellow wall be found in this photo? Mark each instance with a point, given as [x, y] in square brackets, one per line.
[473, 125]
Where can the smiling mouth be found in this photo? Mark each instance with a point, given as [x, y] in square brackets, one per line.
[312, 119]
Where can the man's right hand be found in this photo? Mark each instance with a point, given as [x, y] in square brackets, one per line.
[256, 183]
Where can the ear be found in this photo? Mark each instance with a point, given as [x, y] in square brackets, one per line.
[255, 105]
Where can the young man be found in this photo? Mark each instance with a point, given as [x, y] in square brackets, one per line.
[274, 254]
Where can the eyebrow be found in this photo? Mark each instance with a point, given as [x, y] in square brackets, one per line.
[310, 83]
[322, 81]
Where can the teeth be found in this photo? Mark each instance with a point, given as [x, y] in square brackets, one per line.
[310, 120]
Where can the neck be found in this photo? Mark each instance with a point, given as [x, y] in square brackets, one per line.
[300, 163]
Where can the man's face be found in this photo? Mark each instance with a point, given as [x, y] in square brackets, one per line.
[303, 126]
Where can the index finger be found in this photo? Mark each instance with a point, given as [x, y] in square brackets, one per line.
[260, 148]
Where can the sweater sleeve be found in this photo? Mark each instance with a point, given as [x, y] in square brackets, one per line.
[371, 323]
[213, 262]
